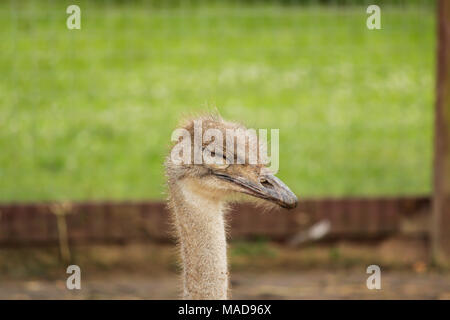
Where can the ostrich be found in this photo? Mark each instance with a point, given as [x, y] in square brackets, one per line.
[198, 197]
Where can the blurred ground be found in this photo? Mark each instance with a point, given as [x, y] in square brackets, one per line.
[259, 270]
[300, 285]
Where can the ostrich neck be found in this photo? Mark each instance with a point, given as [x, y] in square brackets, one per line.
[199, 219]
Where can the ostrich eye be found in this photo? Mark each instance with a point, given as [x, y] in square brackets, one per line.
[224, 157]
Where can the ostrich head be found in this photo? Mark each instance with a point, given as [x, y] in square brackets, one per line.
[226, 168]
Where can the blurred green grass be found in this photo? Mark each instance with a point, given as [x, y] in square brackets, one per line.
[88, 114]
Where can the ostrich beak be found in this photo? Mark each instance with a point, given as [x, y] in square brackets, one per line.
[269, 188]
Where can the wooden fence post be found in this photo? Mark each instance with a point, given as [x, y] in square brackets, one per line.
[440, 226]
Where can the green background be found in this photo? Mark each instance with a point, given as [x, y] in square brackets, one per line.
[88, 114]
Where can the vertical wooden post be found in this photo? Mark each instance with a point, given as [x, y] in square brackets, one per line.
[440, 226]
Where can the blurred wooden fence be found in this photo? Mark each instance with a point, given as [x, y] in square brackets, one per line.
[357, 218]
[440, 231]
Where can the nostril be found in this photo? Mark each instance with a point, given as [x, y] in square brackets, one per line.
[264, 182]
